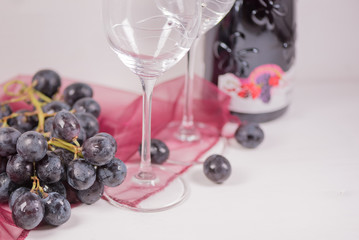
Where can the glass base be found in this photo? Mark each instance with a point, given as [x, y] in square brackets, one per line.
[192, 133]
[148, 193]
[187, 134]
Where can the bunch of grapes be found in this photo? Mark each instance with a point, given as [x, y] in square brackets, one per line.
[53, 155]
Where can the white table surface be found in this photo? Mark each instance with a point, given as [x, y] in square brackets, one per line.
[301, 183]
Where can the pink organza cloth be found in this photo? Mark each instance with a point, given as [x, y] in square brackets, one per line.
[121, 116]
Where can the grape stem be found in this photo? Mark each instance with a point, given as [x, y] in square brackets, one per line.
[76, 142]
[21, 91]
[13, 100]
[26, 114]
[36, 187]
[27, 93]
[40, 113]
[43, 96]
[77, 150]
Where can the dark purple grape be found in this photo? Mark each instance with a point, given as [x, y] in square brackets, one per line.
[57, 209]
[48, 82]
[17, 193]
[48, 124]
[76, 91]
[80, 174]
[55, 106]
[88, 105]
[13, 186]
[55, 187]
[82, 136]
[65, 155]
[50, 168]
[23, 123]
[159, 151]
[31, 146]
[71, 194]
[8, 140]
[28, 211]
[92, 194]
[110, 138]
[4, 187]
[113, 173]
[66, 126]
[19, 170]
[5, 110]
[217, 168]
[98, 150]
[3, 162]
[89, 123]
[249, 135]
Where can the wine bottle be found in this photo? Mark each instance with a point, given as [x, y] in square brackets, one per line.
[252, 56]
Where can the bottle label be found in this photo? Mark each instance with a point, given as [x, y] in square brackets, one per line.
[267, 89]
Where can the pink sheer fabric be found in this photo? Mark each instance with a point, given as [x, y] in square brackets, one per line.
[121, 116]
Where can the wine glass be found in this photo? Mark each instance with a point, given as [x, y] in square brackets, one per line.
[187, 130]
[150, 36]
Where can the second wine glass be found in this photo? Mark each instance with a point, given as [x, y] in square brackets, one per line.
[189, 130]
[150, 36]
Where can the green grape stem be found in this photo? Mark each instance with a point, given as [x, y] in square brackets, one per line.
[40, 113]
[43, 96]
[13, 100]
[27, 94]
[23, 88]
[77, 150]
[36, 187]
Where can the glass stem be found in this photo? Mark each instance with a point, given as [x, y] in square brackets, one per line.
[145, 167]
[187, 118]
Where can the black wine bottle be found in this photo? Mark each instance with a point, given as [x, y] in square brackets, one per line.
[252, 54]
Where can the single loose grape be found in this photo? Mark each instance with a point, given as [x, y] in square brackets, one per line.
[217, 168]
[249, 135]
[159, 151]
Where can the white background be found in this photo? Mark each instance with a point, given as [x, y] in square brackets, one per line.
[301, 183]
[67, 36]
